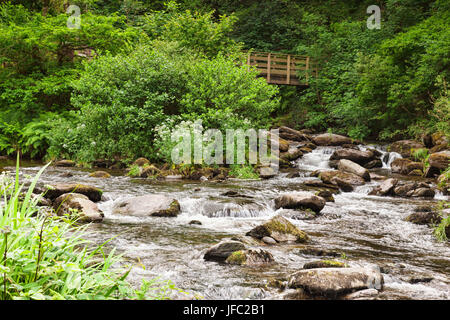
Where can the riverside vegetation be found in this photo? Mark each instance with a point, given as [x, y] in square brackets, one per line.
[110, 94]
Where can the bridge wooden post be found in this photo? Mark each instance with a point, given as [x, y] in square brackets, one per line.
[307, 70]
[268, 68]
[288, 78]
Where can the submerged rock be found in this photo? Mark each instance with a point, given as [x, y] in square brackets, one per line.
[280, 229]
[251, 257]
[333, 282]
[352, 167]
[100, 174]
[87, 210]
[221, 251]
[331, 139]
[368, 294]
[149, 205]
[55, 190]
[300, 200]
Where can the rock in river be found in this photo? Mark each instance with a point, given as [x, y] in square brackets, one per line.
[252, 257]
[333, 282]
[55, 190]
[221, 251]
[280, 229]
[300, 200]
[149, 205]
[352, 167]
[331, 139]
[358, 156]
[87, 210]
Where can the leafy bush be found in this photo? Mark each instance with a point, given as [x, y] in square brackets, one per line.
[125, 100]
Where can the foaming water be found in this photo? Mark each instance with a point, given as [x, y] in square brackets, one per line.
[364, 230]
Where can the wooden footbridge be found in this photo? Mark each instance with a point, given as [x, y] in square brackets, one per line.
[287, 69]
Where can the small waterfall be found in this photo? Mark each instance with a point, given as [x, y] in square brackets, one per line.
[389, 157]
[317, 159]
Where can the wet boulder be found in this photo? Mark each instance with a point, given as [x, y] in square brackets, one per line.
[358, 156]
[294, 135]
[55, 190]
[405, 166]
[149, 205]
[251, 257]
[377, 163]
[77, 204]
[291, 155]
[331, 139]
[385, 188]
[280, 229]
[352, 167]
[347, 177]
[267, 172]
[300, 200]
[334, 282]
[100, 174]
[421, 193]
[368, 294]
[325, 194]
[440, 160]
[425, 218]
[405, 147]
[221, 251]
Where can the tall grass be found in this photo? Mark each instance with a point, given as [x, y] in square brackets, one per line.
[43, 256]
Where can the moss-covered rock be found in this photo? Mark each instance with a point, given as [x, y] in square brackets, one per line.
[55, 190]
[280, 229]
[251, 257]
[325, 264]
[300, 200]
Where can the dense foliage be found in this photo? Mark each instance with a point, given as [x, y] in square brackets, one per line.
[373, 83]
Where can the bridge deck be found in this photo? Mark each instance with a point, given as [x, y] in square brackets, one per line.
[287, 69]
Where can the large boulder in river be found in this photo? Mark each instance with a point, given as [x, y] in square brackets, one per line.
[405, 147]
[75, 203]
[385, 188]
[333, 282]
[347, 177]
[149, 205]
[252, 257]
[405, 166]
[331, 139]
[440, 160]
[300, 200]
[358, 156]
[294, 135]
[55, 190]
[427, 218]
[280, 229]
[352, 167]
[221, 251]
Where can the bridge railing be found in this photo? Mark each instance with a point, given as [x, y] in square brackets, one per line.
[287, 69]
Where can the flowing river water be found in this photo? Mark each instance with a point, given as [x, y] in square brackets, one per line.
[361, 230]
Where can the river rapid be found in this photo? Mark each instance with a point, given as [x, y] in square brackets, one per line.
[358, 229]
